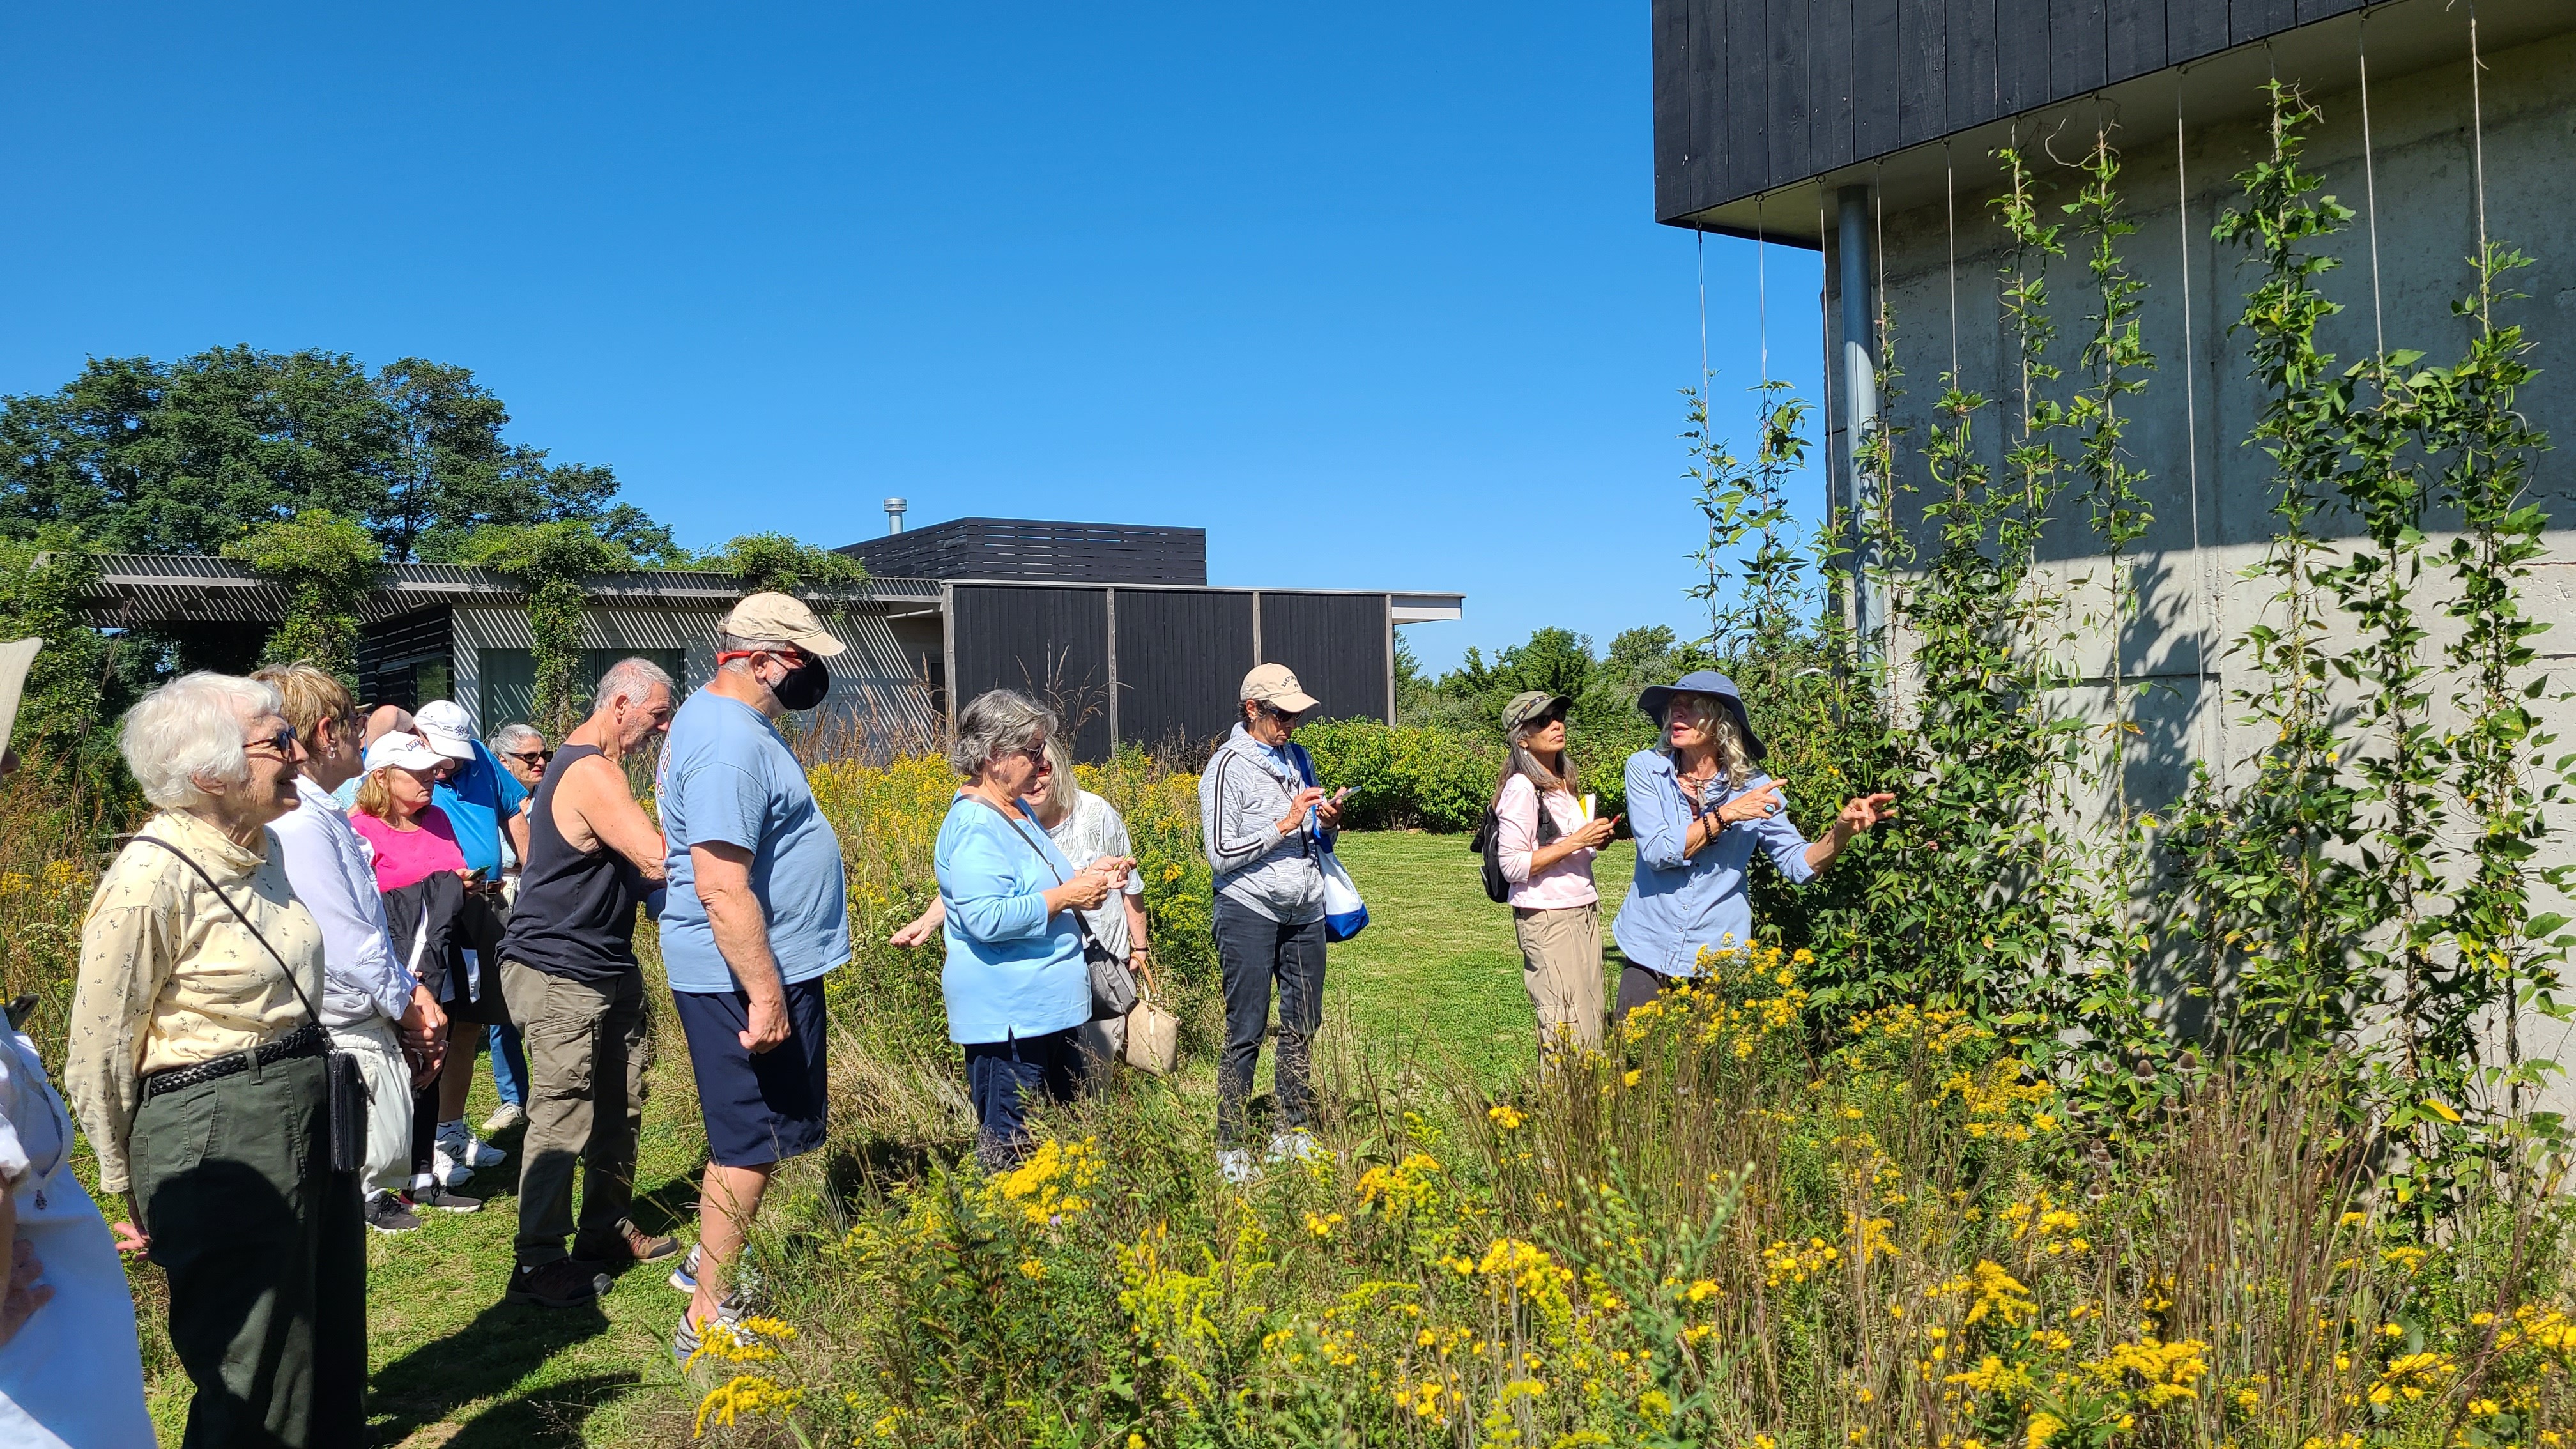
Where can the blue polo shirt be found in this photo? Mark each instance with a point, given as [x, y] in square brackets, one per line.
[728, 776]
[477, 798]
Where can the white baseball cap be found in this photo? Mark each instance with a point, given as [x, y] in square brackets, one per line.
[402, 751]
[443, 724]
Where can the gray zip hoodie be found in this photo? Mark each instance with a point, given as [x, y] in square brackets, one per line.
[1241, 797]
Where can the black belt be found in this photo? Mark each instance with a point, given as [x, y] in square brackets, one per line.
[305, 1041]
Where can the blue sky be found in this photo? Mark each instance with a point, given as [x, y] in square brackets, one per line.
[1372, 293]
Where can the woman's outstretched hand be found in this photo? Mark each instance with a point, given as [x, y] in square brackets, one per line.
[1863, 812]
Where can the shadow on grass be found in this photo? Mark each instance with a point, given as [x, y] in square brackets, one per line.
[484, 1360]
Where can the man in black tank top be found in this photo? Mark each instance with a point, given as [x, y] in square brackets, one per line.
[568, 967]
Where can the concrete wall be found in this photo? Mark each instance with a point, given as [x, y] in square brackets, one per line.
[2209, 490]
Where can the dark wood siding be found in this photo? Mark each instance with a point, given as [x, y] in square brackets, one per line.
[1182, 656]
[1775, 92]
[397, 656]
[1050, 644]
[1039, 549]
[1336, 643]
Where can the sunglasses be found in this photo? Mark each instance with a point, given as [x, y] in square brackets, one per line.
[283, 742]
[534, 758]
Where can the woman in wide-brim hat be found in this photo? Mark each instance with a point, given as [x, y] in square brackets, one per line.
[1700, 808]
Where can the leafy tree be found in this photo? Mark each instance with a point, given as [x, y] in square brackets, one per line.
[187, 456]
[777, 563]
[327, 564]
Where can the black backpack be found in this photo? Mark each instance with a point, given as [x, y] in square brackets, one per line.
[1488, 842]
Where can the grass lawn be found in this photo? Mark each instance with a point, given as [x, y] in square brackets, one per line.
[1436, 974]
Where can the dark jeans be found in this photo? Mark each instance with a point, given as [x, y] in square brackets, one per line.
[1637, 986]
[1252, 949]
[1005, 1076]
[265, 1248]
[589, 1052]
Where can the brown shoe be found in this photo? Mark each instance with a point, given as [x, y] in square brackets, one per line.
[563, 1283]
[632, 1245]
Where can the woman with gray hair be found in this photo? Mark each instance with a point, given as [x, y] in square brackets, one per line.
[1016, 985]
[197, 1065]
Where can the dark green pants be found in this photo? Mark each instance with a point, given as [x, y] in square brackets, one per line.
[265, 1248]
[587, 1058]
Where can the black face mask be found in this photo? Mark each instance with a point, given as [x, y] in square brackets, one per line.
[804, 686]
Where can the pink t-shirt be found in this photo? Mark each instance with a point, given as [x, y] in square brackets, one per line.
[1565, 884]
[405, 857]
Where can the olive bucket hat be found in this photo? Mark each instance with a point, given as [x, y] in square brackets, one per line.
[1532, 705]
[1657, 698]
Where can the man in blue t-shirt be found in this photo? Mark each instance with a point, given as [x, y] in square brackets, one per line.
[758, 911]
[481, 800]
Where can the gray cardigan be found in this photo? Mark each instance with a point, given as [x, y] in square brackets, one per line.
[1241, 797]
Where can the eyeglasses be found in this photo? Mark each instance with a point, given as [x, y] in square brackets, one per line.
[283, 742]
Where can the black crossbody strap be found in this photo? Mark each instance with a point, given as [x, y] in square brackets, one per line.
[283, 968]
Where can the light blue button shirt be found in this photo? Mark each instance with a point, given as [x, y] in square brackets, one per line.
[1677, 905]
[1013, 970]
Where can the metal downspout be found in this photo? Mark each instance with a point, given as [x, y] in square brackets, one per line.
[1860, 418]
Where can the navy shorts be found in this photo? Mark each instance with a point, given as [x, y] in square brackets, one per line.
[758, 1109]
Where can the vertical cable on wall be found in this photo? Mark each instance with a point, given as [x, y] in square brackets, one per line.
[1950, 223]
[1825, 347]
[2478, 135]
[2369, 188]
[1762, 289]
[2202, 621]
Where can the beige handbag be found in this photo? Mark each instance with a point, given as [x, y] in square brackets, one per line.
[1153, 1031]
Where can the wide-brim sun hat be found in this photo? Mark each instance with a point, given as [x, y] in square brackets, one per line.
[1656, 698]
[401, 750]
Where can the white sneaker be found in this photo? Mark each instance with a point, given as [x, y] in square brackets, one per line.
[468, 1149]
[447, 1170]
[1235, 1165]
[510, 1115]
[1297, 1145]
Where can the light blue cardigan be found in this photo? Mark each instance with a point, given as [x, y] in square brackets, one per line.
[1678, 904]
[1013, 970]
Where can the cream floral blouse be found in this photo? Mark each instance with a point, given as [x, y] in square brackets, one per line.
[170, 978]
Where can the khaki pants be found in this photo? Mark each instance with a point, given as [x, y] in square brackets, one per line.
[587, 1056]
[1561, 966]
[387, 1073]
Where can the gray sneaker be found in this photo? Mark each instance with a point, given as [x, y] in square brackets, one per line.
[434, 1196]
[387, 1214]
[686, 1339]
[1297, 1145]
[1236, 1166]
[685, 1276]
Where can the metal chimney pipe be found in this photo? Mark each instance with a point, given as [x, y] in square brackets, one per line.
[894, 508]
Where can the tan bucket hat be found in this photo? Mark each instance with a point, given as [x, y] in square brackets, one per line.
[1276, 686]
[776, 616]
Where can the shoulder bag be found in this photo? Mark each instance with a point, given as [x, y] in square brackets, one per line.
[1113, 985]
[347, 1094]
[1488, 842]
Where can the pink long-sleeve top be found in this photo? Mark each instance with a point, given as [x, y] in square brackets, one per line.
[1564, 884]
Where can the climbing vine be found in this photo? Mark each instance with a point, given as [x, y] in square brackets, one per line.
[2277, 887]
[552, 562]
[327, 564]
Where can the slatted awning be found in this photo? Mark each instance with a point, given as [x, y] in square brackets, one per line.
[138, 590]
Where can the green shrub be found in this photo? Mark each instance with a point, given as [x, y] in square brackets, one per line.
[1404, 776]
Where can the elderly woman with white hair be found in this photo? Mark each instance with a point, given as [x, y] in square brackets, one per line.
[197, 1064]
[1016, 985]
